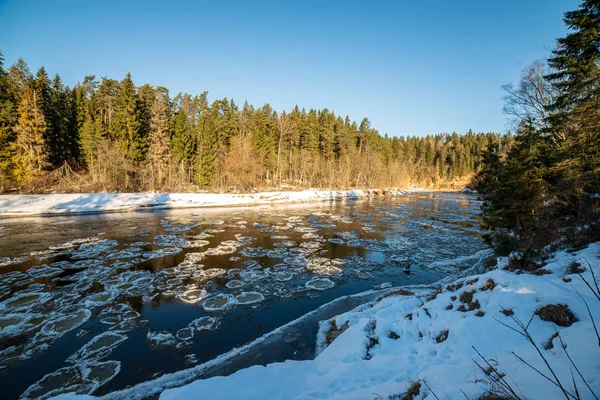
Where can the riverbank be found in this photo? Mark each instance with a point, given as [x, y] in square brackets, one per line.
[463, 338]
[88, 203]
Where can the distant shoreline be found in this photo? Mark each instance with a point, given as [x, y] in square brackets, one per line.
[12, 206]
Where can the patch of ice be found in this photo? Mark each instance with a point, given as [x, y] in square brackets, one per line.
[160, 338]
[234, 284]
[320, 284]
[193, 296]
[43, 271]
[59, 326]
[245, 298]
[100, 298]
[97, 348]
[22, 301]
[166, 251]
[218, 302]
[185, 334]
[205, 324]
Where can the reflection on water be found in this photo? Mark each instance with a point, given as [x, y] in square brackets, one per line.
[97, 303]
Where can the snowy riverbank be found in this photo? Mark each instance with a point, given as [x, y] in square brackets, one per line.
[434, 338]
[85, 203]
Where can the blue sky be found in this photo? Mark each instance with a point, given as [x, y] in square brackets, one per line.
[411, 67]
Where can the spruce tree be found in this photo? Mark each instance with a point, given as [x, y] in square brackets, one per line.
[30, 148]
[159, 152]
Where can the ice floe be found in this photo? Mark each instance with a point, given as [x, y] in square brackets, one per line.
[99, 347]
[320, 284]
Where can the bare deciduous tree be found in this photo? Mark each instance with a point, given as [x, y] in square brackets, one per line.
[531, 98]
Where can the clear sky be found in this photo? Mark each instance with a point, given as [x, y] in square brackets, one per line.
[412, 67]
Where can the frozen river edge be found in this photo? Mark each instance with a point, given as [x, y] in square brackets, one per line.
[390, 342]
[90, 203]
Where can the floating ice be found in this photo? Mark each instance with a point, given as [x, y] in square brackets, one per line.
[283, 276]
[218, 302]
[21, 301]
[166, 251]
[16, 324]
[255, 274]
[99, 347]
[320, 284]
[127, 253]
[311, 245]
[279, 253]
[311, 236]
[190, 359]
[61, 325]
[64, 380]
[234, 284]
[234, 271]
[253, 252]
[160, 338]
[220, 250]
[185, 334]
[197, 243]
[102, 372]
[100, 299]
[169, 241]
[94, 249]
[210, 273]
[43, 271]
[336, 241]
[244, 240]
[205, 324]
[296, 261]
[193, 296]
[245, 298]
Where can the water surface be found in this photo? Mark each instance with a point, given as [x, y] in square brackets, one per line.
[97, 303]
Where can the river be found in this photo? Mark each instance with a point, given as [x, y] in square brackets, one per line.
[98, 303]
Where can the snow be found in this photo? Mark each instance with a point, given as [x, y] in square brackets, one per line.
[83, 203]
[389, 343]
[383, 349]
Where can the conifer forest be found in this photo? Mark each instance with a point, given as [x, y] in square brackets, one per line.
[105, 135]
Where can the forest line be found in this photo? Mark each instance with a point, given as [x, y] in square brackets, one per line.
[109, 135]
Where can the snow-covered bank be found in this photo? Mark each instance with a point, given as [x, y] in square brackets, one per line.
[50, 204]
[382, 347]
[401, 339]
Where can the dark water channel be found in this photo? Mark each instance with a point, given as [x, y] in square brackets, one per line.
[97, 303]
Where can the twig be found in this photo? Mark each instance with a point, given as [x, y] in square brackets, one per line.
[575, 384]
[574, 366]
[593, 275]
[464, 394]
[525, 333]
[429, 388]
[591, 317]
[499, 379]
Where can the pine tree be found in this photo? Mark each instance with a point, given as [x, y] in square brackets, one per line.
[159, 152]
[128, 124]
[576, 112]
[8, 116]
[30, 148]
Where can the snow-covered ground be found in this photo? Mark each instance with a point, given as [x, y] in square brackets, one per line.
[438, 339]
[48, 204]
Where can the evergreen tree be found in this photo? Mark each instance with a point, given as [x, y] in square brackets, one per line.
[128, 125]
[30, 148]
[159, 152]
